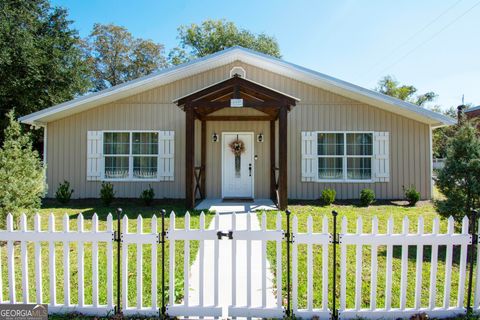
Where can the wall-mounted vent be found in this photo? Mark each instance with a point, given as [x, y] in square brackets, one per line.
[238, 71]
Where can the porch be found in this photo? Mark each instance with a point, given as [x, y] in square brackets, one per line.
[242, 94]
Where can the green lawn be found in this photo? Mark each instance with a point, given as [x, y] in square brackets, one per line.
[88, 207]
[383, 212]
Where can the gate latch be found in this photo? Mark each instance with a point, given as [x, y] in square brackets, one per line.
[228, 234]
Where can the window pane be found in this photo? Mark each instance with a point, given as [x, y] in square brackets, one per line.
[330, 144]
[145, 167]
[145, 143]
[330, 168]
[359, 168]
[359, 144]
[116, 143]
[116, 167]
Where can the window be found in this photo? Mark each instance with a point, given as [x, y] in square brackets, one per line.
[345, 156]
[130, 155]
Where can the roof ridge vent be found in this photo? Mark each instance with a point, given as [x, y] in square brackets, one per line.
[239, 72]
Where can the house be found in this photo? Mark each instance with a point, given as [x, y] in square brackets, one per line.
[474, 114]
[238, 124]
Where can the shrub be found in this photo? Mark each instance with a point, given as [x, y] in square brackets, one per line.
[64, 192]
[412, 195]
[459, 180]
[147, 195]
[367, 197]
[107, 194]
[328, 196]
[22, 175]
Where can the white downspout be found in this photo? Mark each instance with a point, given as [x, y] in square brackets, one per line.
[45, 135]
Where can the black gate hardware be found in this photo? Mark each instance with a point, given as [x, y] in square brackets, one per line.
[228, 234]
[335, 241]
[289, 238]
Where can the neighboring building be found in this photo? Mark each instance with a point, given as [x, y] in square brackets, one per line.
[299, 132]
[473, 113]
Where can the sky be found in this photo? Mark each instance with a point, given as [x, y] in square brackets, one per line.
[431, 44]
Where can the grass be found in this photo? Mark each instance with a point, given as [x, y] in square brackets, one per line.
[383, 211]
[88, 207]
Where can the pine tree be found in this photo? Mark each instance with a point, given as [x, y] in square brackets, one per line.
[459, 180]
[22, 175]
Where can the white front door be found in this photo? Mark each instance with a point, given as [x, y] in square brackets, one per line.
[237, 169]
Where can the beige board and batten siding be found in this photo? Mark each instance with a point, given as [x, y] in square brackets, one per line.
[318, 110]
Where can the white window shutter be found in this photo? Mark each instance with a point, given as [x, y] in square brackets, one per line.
[166, 155]
[94, 155]
[309, 156]
[381, 158]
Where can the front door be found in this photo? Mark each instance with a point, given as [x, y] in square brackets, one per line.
[237, 165]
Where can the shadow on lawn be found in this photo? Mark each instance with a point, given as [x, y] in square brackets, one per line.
[427, 253]
[356, 203]
[131, 207]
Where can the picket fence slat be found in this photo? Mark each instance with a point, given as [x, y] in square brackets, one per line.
[264, 262]
[234, 260]
[419, 267]
[294, 265]
[404, 267]
[38, 262]
[249, 262]
[66, 262]
[24, 254]
[374, 267]
[433, 264]
[186, 262]
[51, 263]
[448, 267]
[201, 278]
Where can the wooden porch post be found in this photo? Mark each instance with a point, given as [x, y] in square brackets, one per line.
[282, 158]
[273, 182]
[189, 157]
[203, 160]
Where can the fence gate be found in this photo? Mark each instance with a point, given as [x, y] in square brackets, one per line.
[231, 240]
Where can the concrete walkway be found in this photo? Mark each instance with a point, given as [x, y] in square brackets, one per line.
[225, 269]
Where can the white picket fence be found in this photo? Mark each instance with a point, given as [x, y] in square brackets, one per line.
[322, 240]
[66, 237]
[405, 240]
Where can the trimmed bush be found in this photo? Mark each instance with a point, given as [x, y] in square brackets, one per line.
[64, 193]
[328, 196]
[367, 197]
[412, 195]
[107, 194]
[147, 195]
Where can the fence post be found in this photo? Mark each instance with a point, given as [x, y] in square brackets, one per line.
[118, 240]
[335, 242]
[289, 240]
[163, 311]
[471, 258]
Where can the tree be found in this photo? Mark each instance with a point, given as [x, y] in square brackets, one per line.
[115, 56]
[216, 35]
[459, 180]
[41, 63]
[22, 174]
[389, 86]
[442, 135]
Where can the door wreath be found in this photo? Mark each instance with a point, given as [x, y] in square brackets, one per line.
[237, 147]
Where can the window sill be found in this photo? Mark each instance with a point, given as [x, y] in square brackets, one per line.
[344, 181]
[131, 180]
